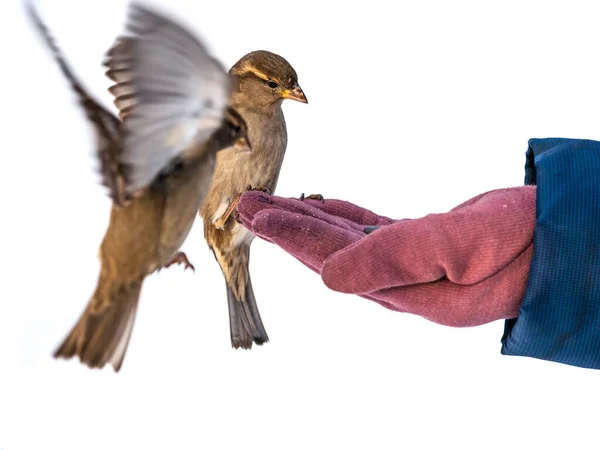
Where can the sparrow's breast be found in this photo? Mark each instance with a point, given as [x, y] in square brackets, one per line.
[261, 167]
[235, 171]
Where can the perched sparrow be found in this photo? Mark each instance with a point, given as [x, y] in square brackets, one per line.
[262, 80]
[159, 159]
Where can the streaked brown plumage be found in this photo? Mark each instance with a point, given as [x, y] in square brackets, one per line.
[160, 159]
[262, 80]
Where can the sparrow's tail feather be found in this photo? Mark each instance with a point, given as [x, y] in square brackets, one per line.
[245, 323]
[104, 329]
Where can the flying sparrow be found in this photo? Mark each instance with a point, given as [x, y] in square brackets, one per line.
[157, 162]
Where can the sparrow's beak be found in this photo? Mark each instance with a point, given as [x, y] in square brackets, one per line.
[242, 145]
[295, 94]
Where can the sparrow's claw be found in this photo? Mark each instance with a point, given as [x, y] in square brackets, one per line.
[179, 258]
[318, 197]
[259, 188]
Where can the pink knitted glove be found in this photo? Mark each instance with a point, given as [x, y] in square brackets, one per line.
[463, 268]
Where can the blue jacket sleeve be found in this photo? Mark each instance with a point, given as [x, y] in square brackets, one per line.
[559, 319]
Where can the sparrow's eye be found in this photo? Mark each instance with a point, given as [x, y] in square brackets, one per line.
[233, 127]
[272, 84]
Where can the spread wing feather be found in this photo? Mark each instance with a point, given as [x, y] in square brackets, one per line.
[169, 90]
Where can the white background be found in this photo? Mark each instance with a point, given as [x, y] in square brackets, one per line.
[413, 109]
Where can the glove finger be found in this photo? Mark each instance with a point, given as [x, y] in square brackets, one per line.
[308, 239]
[252, 202]
[351, 212]
[387, 257]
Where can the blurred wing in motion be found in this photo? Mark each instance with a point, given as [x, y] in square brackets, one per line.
[106, 126]
[117, 60]
[170, 91]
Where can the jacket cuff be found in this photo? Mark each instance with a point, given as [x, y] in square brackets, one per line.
[559, 319]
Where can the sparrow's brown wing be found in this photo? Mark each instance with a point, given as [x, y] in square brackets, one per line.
[117, 60]
[179, 93]
[106, 126]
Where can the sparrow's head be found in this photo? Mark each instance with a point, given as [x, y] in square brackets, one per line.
[233, 132]
[265, 78]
